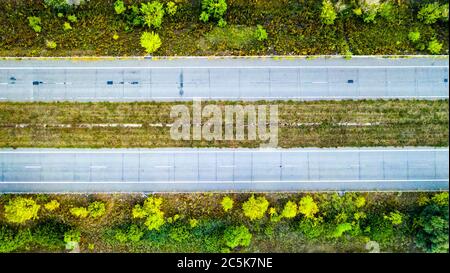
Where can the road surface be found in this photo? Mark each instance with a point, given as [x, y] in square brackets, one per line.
[199, 170]
[249, 79]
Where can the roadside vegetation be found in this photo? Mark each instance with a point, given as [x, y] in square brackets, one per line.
[222, 27]
[301, 124]
[245, 222]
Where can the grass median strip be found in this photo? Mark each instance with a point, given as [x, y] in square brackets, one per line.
[301, 124]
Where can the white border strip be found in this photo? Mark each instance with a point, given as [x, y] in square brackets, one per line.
[221, 67]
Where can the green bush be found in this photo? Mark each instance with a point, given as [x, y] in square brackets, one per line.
[328, 13]
[150, 41]
[72, 18]
[58, 5]
[151, 211]
[440, 199]
[308, 207]
[260, 33]
[20, 209]
[290, 210]
[213, 9]
[386, 10]
[370, 12]
[227, 203]
[79, 212]
[179, 234]
[434, 47]
[133, 234]
[67, 26]
[153, 13]
[171, 8]
[11, 240]
[312, 228]
[433, 12]
[50, 44]
[52, 205]
[96, 209]
[119, 7]
[432, 235]
[255, 208]
[72, 238]
[35, 23]
[414, 36]
[340, 229]
[395, 218]
[237, 236]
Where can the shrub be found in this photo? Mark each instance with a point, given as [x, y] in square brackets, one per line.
[214, 9]
[96, 209]
[179, 234]
[260, 33]
[59, 5]
[153, 13]
[255, 208]
[370, 12]
[290, 210]
[440, 199]
[193, 223]
[434, 47]
[227, 203]
[11, 240]
[414, 36]
[308, 207]
[433, 12]
[312, 227]
[119, 7]
[79, 212]
[52, 205]
[72, 238]
[150, 210]
[328, 13]
[340, 229]
[67, 26]
[115, 36]
[386, 11]
[34, 22]
[72, 18]
[395, 218]
[360, 202]
[21, 209]
[150, 41]
[171, 8]
[237, 236]
[50, 44]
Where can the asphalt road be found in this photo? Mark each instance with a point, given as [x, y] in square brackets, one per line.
[224, 79]
[195, 170]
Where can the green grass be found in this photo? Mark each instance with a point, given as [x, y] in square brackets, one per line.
[381, 123]
[293, 27]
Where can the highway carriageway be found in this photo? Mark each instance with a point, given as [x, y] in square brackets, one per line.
[223, 170]
[224, 79]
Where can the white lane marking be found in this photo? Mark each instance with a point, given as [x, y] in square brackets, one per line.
[217, 150]
[222, 67]
[33, 167]
[226, 182]
[163, 166]
[317, 82]
[188, 98]
[227, 166]
[98, 167]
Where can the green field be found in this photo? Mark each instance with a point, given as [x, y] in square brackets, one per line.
[301, 124]
[293, 28]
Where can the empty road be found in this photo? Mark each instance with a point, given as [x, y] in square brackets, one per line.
[224, 79]
[195, 170]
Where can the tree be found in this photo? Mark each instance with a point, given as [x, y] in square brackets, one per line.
[214, 9]
[395, 218]
[440, 199]
[434, 47]
[150, 41]
[328, 13]
[52, 205]
[153, 14]
[432, 235]
[58, 5]
[255, 208]
[386, 10]
[433, 12]
[35, 23]
[237, 236]
[227, 203]
[151, 211]
[72, 238]
[340, 229]
[171, 8]
[21, 209]
[308, 207]
[290, 210]
[96, 209]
